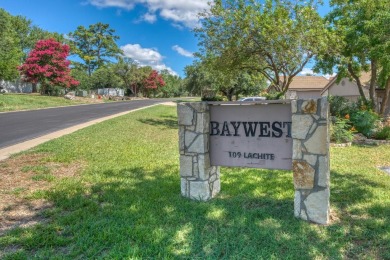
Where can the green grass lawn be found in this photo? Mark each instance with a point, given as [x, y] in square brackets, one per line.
[126, 203]
[14, 102]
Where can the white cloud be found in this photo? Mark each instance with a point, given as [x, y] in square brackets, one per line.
[184, 12]
[306, 71]
[148, 17]
[182, 51]
[125, 4]
[146, 57]
[328, 76]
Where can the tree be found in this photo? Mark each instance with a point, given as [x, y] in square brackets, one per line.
[198, 78]
[104, 77]
[47, 64]
[203, 78]
[126, 69]
[95, 45]
[173, 84]
[277, 38]
[10, 53]
[364, 34]
[153, 82]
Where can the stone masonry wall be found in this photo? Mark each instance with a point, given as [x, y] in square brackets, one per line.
[311, 159]
[199, 180]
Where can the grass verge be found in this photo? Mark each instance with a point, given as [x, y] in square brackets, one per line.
[14, 102]
[126, 202]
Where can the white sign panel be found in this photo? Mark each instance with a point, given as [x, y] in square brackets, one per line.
[256, 136]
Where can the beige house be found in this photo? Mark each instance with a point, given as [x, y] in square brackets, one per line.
[308, 87]
[347, 88]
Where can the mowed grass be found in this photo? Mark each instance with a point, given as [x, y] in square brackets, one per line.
[14, 102]
[126, 203]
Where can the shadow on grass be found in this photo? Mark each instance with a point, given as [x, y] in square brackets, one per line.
[165, 122]
[139, 213]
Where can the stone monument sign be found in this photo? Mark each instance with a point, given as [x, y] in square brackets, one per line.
[280, 134]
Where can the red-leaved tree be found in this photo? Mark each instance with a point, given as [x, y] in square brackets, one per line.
[153, 82]
[47, 64]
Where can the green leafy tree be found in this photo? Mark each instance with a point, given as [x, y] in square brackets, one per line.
[95, 45]
[198, 79]
[85, 81]
[205, 79]
[173, 85]
[104, 77]
[277, 38]
[10, 53]
[127, 70]
[364, 35]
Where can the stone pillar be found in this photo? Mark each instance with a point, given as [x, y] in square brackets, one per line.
[199, 180]
[310, 133]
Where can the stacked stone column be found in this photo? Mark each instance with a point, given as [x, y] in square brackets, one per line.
[311, 159]
[199, 180]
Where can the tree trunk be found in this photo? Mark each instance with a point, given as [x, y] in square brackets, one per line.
[373, 82]
[385, 99]
[34, 88]
[359, 84]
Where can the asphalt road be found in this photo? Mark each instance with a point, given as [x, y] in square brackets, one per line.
[16, 127]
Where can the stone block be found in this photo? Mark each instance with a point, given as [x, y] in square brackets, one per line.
[311, 159]
[303, 175]
[324, 110]
[294, 106]
[301, 125]
[185, 114]
[181, 138]
[313, 128]
[203, 123]
[297, 204]
[297, 149]
[191, 128]
[186, 166]
[323, 171]
[317, 206]
[200, 106]
[199, 145]
[309, 106]
[189, 138]
[200, 190]
[184, 187]
[216, 187]
[204, 166]
[318, 143]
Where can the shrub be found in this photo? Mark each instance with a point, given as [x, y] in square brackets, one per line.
[339, 106]
[364, 121]
[340, 130]
[383, 134]
[215, 98]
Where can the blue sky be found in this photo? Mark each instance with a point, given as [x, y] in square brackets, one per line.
[153, 32]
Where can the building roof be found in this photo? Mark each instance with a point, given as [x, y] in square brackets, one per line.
[308, 83]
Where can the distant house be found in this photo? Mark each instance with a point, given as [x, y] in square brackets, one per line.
[347, 88]
[308, 87]
[16, 86]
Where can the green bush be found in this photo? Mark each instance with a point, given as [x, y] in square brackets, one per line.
[364, 121]
[340, 130]
[383, 134]
[215, 98]
[339, 106]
